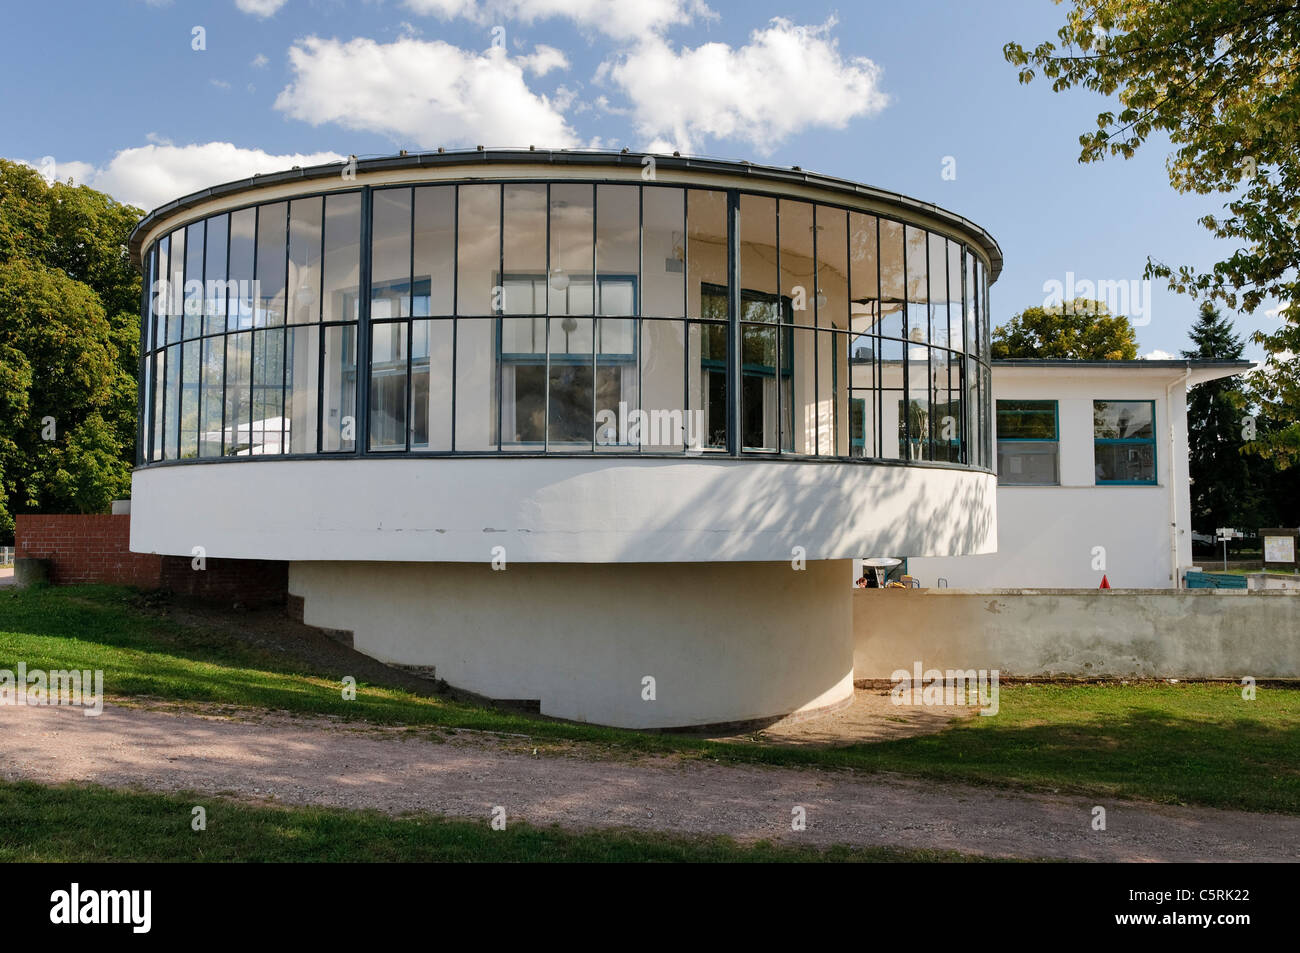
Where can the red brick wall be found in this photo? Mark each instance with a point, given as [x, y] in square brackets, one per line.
[251, 582]
[86, 549]
[96, 549]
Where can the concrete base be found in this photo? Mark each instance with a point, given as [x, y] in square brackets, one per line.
[640, 645]
[31, 572]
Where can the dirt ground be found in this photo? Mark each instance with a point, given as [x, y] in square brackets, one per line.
[294, 760]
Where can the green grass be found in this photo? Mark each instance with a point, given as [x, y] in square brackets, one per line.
[1183, 743]
[89, 824]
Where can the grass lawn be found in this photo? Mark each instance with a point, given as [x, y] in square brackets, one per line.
[89, 824]
[1183, 743]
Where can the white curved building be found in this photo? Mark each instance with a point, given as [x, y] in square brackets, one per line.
[587, 429]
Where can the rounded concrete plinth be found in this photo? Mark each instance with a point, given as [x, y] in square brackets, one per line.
[634, 645]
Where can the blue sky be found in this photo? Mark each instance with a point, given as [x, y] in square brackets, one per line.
[886, 93]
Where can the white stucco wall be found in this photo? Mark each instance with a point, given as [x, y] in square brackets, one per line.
[1046, 534]
[586, 510]
[723, 641]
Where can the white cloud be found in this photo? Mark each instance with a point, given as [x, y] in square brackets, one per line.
[1157, 355]
[623, 19]
[259, 61]
[786, 79]
[543, 59]
[219, 83]
[261, 8]
[1279, 311]
[427, 93]
[152, 175]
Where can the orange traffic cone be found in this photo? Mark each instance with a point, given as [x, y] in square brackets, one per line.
[1105, 583]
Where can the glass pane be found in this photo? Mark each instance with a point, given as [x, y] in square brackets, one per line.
[476, 384]
[572, 230]
[479, 249]
[171, 434]
[1026, 420]
[664, 252]
[570, 415]
[163, 304]
[159, 402]
[176, 307]
[523, 382]
[864, 275]
[618, 250]
[1028, 464]
[216, 289]
[339, 385]
[189, 419]
[212, 403]
[239, 349]
[707, 380]
[918, 319]
[937, 250]
[431, 351]
[616, 381]
[193, 325]
[798, 272]
[969, 298]
[302, 369]
[799, 392]
[663, 364]
[342, 258]
[1122, 419]
[388, 386]
[435, 250]
[832, 268]
[523, 245]
[304, 260]
[758, 392]
[243, 239]
[758, 274]
[706, 252]
[268, 392]
[1126, 462]
[832, 393]
[390, 264]
[956, 326]
[891, 278]
[272, 235]
[917, 420]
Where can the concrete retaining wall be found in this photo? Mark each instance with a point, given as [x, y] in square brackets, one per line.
[1061, 632]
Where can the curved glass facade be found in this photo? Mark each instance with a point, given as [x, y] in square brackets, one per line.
[563, 317]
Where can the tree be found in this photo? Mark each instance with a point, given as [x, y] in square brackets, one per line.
[1220, 79]
[1222, 489]
[1081, 331]
[69, 346]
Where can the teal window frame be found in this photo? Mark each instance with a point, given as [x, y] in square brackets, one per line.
[1127, 441]
[1054, 440]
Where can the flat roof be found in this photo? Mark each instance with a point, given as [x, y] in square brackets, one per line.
[579, 157]
[1138, 363]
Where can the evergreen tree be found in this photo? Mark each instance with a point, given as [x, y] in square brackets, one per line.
[1222, 489]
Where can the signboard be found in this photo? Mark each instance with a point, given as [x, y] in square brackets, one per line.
[1279, 549]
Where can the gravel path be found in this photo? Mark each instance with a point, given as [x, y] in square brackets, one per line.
[319, 761]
